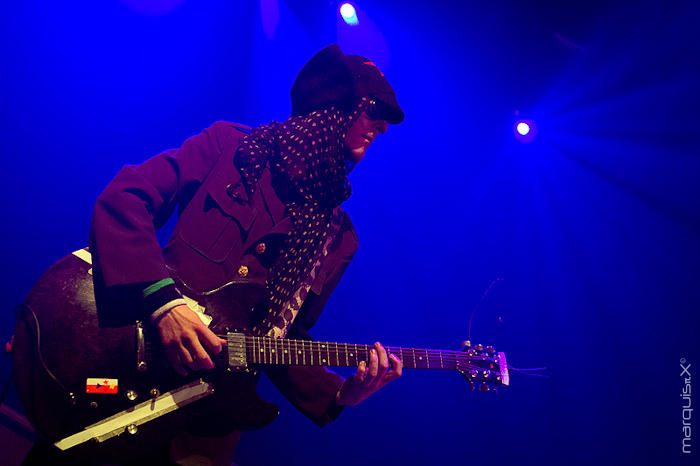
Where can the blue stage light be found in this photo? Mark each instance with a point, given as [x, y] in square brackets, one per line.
[525, 130]
[347, 11]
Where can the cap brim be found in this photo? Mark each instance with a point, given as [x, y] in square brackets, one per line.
[390, 107]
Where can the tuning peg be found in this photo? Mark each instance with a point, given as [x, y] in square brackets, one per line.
[490, 349]
[467, 344]
[472, 385]
[484, 387]
[480, 347]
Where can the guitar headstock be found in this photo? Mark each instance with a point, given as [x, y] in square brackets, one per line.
[483, 367]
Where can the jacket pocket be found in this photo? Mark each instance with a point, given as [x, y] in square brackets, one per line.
[222, 223]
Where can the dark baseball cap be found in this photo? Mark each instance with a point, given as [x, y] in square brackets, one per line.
[331, 78]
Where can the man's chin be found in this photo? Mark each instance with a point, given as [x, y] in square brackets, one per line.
[355, 155]
[349, 166]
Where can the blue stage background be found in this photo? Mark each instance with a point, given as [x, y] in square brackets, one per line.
[593, 228]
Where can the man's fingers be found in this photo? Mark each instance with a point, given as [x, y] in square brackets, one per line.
[373, 366]
[382, 364]
[370, 377]
[383, 359]
[185, 338]
[199, 357]
[396, 367]
[174, 359]
[361, 371]
[212, 343]
[185, 357]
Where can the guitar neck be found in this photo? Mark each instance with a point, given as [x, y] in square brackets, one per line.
[275, 351]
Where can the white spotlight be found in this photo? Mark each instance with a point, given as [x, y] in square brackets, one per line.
[347, 11]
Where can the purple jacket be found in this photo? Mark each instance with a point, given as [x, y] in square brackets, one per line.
[217, 240]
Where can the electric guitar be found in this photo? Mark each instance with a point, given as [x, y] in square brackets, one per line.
[99, 392]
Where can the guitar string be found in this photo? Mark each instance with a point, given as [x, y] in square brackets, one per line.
[457, 364]
[363, 350]
[481, 372]
[316, 346]
[361, 355]
[470, 367]
[432, 356]
[266, 343]
[268, 340]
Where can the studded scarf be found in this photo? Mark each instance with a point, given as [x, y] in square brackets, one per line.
[306, 153]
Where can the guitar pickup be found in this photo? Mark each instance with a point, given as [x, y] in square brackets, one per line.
[237, 358]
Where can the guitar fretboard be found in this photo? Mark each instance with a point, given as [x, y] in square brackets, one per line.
[265, 350]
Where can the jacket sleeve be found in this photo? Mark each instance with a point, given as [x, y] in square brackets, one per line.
[139, 200]
[311, 389]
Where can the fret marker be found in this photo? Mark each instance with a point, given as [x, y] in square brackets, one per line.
[420, 357]
[262, 350]
[323, 346]
[350, 354]
[299, 352]
[273, 351]
[324, 360]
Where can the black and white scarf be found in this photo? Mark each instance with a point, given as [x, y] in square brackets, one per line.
[307, 152]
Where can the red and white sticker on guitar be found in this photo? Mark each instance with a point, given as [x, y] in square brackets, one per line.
[105, 386]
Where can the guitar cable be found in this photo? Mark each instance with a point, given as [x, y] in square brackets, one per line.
[18, 312]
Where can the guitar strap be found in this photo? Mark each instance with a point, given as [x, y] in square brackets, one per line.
[277, 326]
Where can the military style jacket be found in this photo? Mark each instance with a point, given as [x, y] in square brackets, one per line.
[223, 237]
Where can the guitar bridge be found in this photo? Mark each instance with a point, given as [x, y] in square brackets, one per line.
[237, 359]
[129, 419]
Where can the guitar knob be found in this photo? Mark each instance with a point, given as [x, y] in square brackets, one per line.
[131, 395]
[132, 429]
[490, 349]
[480, 347]
[467, 344]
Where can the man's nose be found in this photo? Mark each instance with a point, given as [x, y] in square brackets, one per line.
[381, 126]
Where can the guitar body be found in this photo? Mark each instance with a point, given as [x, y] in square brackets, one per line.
[63, 330]
[105, 394]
